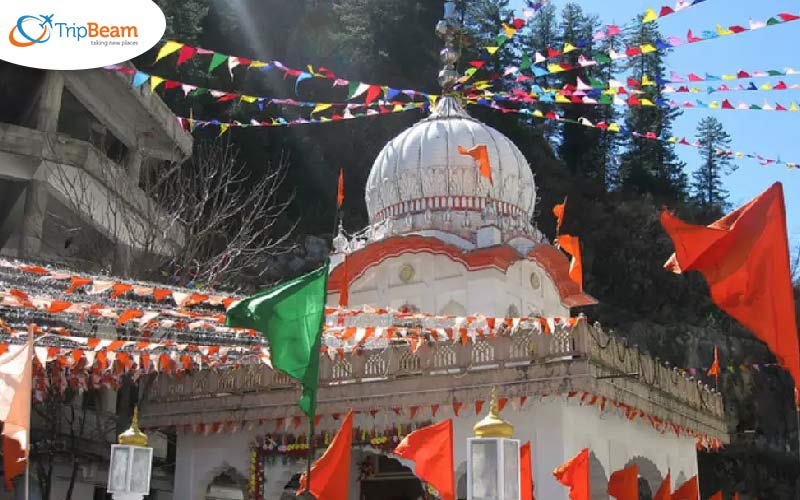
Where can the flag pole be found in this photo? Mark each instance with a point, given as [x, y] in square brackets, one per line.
[31, 330]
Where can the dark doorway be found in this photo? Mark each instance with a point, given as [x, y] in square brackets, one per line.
[391, 481]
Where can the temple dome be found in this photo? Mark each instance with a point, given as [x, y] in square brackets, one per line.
[420, 181]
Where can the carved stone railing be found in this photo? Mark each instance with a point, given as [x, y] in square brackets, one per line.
[608, 356]
[611, 356]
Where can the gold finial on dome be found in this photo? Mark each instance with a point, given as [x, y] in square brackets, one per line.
[133, 436]
[492, 426]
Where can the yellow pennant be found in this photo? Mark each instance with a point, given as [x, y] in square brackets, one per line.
[538, 114]
[568, 47]
[167, 49]
[646, 102]
[554, 68]
[647, 82]
[794, 107]
[649, 16]
[223, 127]
[560, 99]
[729, 77]
[321, 107]
[491, 50]
[257, 64]
[648, 48]
[714, 105]
[614, 127]
[723, 32]
[510, 31]
[766, 86]
[155, 81]
[249, 98]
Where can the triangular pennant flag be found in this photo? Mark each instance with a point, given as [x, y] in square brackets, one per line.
[216, 60]
[168, 48]
[185, 54]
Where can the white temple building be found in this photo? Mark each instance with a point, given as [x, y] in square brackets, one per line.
[452, 291]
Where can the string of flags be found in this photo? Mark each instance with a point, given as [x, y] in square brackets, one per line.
[607, 99]
[141, 78]
[602, 57]
[621, 129]
[606, 33]
[355, 89]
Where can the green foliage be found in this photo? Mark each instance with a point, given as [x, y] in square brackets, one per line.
[707, 179]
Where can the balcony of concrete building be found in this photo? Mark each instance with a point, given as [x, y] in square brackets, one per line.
[72, 149]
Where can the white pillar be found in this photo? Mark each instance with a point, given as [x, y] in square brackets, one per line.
[34, 213]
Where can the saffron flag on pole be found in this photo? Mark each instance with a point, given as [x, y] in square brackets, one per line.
[558, 211]
[15, 406]
[744, 257]
[716, 496]
[480, 153]
[575, 475]
[290, 316]
[525, 472]
[665, 491]
[431, 450]
[340, 190]
[688, 490]
[624, 484]
[714, 370]
[330, 475]
[572, 245]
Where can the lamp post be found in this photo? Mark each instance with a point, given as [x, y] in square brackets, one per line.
[493, 471]
[131, 464]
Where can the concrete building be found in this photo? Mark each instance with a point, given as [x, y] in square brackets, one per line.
[443, 244]
[73, 145]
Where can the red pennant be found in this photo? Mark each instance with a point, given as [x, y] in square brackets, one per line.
[478, 407]
[501, 403]
[457, 408]
[373, 93]
[185, 54]
[434, 409]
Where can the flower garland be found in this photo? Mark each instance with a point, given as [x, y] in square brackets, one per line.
[267, 449]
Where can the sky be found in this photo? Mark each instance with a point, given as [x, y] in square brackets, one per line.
[772, 134]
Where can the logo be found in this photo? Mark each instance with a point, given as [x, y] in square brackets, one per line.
[40, 26]
[80, 34]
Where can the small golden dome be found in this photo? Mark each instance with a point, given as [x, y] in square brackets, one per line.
[133, 436]
[492, 426]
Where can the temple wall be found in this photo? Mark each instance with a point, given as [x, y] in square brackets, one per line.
[557, 429]
[437, 284]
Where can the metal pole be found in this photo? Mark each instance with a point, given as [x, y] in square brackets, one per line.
[797, 414]
[31, 330]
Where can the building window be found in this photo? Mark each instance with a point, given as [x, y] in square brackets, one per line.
[78, 122]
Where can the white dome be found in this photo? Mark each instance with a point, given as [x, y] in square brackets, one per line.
[420, 181]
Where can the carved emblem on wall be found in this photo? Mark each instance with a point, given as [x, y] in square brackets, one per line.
[406, 273]
[535, 283]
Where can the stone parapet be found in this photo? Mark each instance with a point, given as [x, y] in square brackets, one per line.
[525, 363]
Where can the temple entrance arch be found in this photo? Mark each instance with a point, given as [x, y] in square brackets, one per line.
[649, 476]
[227, 484]
[385, 478]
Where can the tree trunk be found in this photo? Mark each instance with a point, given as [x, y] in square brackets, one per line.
[72, 478]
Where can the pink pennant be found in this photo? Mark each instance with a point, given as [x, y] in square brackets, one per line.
[692, 38]
[613, 30]
[695, 78]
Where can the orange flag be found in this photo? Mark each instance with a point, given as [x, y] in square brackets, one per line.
[624, 484]
[340, 192]
[575, 475]
[330, 475]
[480, 153]
[525, 472]
[431, 450]
[15, 406]
[688, 491]
[664, 492]
[572, 245]
[716, 496]
[714, 370]
[558, 211]
[744, 257]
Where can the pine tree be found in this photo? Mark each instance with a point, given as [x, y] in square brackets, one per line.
[587, 151]
[649, 166]
[707, 179]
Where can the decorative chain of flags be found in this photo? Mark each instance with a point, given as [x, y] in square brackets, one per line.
[599, 57]
[355, 88]
[607, 32]
[606, 99]
[140, 78]
[621, 129]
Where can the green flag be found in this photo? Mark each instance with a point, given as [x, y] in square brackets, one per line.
[291, 317]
